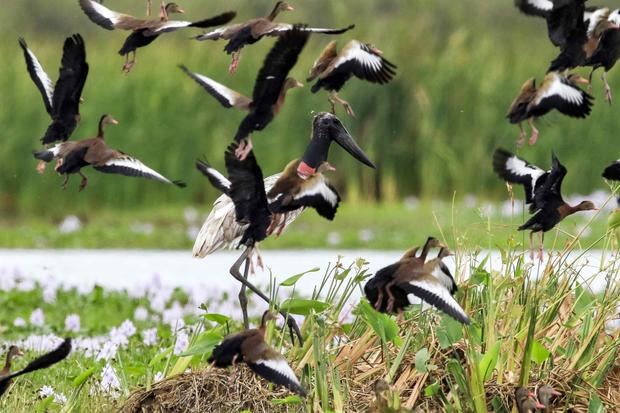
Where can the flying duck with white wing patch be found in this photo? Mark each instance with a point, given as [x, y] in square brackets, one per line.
[62, 102]
[250, 32]
[333, 69]
[555, 92]
[72, 156]
[144, 32]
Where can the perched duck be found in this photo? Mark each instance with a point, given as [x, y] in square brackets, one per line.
[63, 101]
[144, 31]
[612, 172]
[249, 347]
[543, 190]
[385, 282]
[333, 69]
[555, 92]
[74, 155]
[42, 362]
[432, 282]
[241, 34]
[13, 352]
[526, 401]
[545, 395]
[270, 87]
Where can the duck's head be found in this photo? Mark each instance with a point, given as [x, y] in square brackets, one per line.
[374, 49]
[14, 351]
[108, 120]
[268, 316]
[282, 6]
[546, 393]
[174, 8]
[291, 83]
[576, 78]
[444, 252]
[325, 167]
[586, 206]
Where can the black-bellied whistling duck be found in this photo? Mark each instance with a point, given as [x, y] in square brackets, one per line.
[555, 92]
[612, 172]
[526, 401]
[562, 16]
[269, 87]
[63, 101]
[433, 283]
[249, 347]
[232, 99]
[545, 396]
[74, 155]
[362, 60]
[543, 190]
[241, 34]
[301, 184]
[585, 38]
[13, 352]
[144, 31]
[607, 53]
[42, 362]
[384, 282]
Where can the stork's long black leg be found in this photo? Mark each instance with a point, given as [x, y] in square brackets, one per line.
[243, 298]
[234, 271]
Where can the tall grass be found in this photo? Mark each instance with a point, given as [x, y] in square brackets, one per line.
[430, 131]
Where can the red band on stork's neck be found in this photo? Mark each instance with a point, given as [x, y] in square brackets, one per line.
[304, 170]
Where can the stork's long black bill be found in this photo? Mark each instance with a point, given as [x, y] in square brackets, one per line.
[343, 138]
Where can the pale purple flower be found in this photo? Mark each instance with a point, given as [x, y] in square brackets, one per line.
[411, 202]
[509, 210]
[158, 377]
[127, 328]
[171, 315]
[46, 391]
[149, 336]
[37, 318]
[26, 285]
[118, 338]
[85, 289]
[140, 314]
[72, 323]
[40, 344]
[90, 346]
[108, 351]
[181, 343]
[334, 238]
[49, 294]
[70, 224]
[177, 325]
[60, 398]
[190, 214]
[109, 380]
[366, 235]
[19, 322]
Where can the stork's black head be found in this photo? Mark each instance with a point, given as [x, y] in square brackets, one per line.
[326, 127]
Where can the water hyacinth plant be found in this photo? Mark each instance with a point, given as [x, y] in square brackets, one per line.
[531, 324]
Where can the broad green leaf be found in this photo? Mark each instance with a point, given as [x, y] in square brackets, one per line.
[449, 332]
[302, 306]
[204, 343]
[83, 376]
[539, 352]
[288, 400]
[44, 405]
[421, 358]
[292, 280]
[432, 390]
[382, 324]
[220, 319]
[180, 366]
[488, 362]
[596, 405]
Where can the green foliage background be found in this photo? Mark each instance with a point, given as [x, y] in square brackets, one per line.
[431, 131]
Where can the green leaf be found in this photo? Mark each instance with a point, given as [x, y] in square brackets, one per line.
[220, 319]
[488, 362]
[421, 358]
[288, 400]
[292, 280]
[159, 357]
[382, 324]
[205, 343]
[83, 376]
[432, 390]
[342, 275]
[449, 332]
[539, 352]
[302, 306]
[43, 405]
[596, 405]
